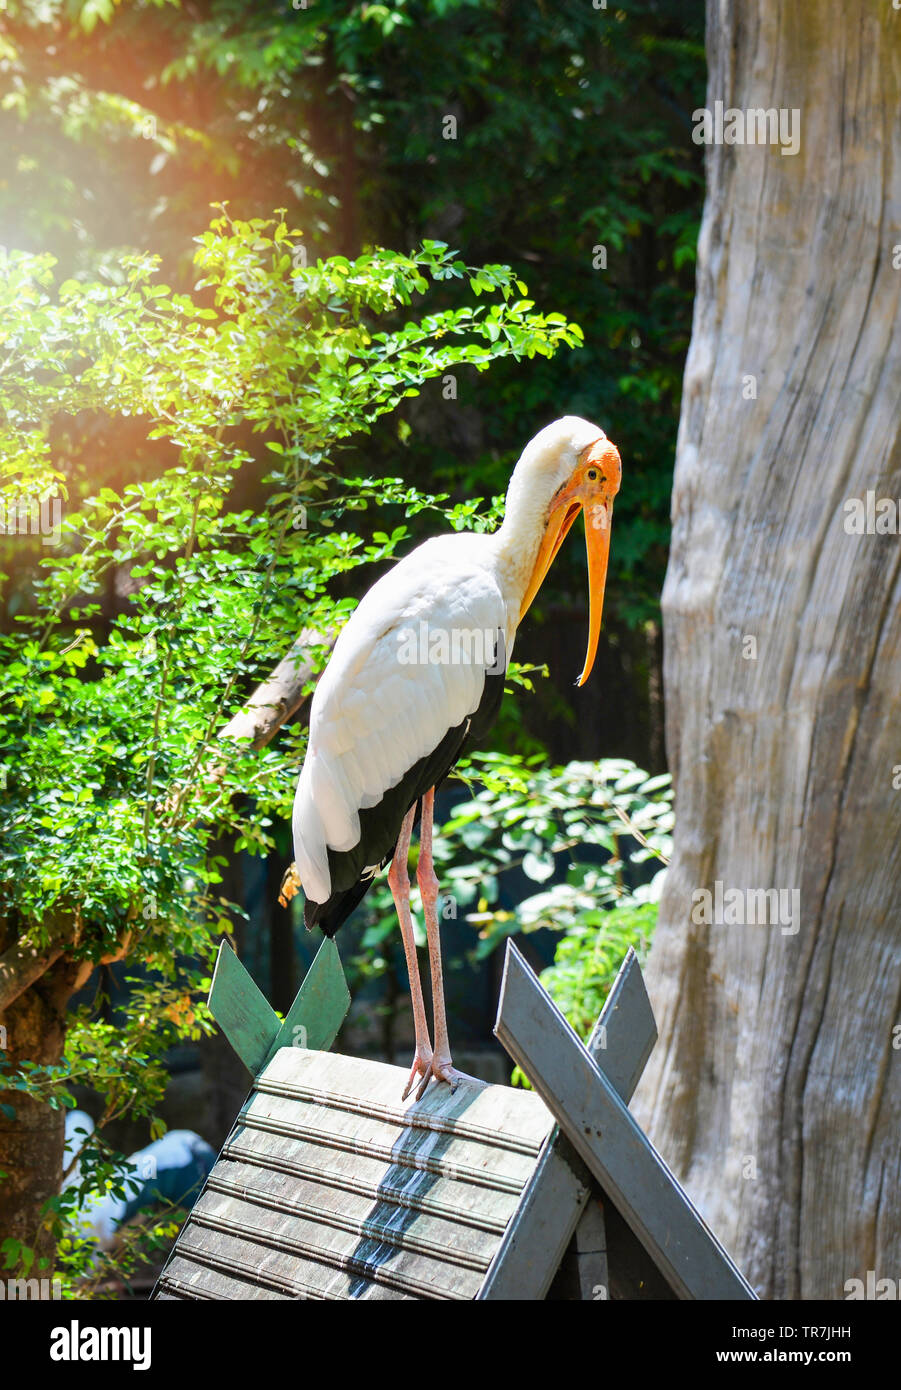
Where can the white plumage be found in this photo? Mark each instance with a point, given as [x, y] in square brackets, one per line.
[374, 716]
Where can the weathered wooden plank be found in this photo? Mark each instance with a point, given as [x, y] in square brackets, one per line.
[445, 1196]
[503, 1116]
[624, 1036]
[274, 1271]
[434, 1151]
[253, 1028]
[331, 1187]
[315, 1018]
[590, 1242]
[283, 1239]
[556, 1197]
[242, 1011]
[610, 1143]
[383, 1217]
[184, 1279]
[202, 1278]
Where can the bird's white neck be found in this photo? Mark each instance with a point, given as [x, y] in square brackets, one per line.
[543, 467]
[517, 541]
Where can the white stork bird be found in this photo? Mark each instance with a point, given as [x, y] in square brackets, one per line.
[385, 729]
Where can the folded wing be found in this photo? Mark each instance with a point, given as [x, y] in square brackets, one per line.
[410, 665]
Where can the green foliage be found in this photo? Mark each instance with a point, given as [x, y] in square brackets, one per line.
[600, 822]
[588, 959]
[597, 819]
[602, 831]
[116, 788]
[83, 1269]
[573, 133]
[130, 708]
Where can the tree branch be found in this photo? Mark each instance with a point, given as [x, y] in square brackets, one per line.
[24, 962]
[276, 699]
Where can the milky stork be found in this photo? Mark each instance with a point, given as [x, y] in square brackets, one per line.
[392, 713]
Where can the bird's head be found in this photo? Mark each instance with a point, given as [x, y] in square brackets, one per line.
[570, 466]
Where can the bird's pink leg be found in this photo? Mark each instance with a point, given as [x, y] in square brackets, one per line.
[399, 883]
[441, 1065]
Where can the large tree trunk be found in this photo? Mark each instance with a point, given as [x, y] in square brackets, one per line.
[32, 1138]
[775, 1091]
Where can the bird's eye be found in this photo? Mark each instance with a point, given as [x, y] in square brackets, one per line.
[592, 474]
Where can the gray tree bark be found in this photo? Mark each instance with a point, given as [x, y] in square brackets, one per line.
[775, 1091]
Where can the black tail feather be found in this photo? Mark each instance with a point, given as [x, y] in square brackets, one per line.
[329, 916]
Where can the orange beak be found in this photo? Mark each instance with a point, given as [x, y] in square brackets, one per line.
[592, 488]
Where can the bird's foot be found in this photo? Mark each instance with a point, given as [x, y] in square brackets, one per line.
[422, 1067]
[290, 884]
[442, 1069]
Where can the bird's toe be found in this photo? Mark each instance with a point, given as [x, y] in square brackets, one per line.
[443, 1069]
[422, 1067]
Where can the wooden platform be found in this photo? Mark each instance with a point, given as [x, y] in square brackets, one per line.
[330, 1187]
